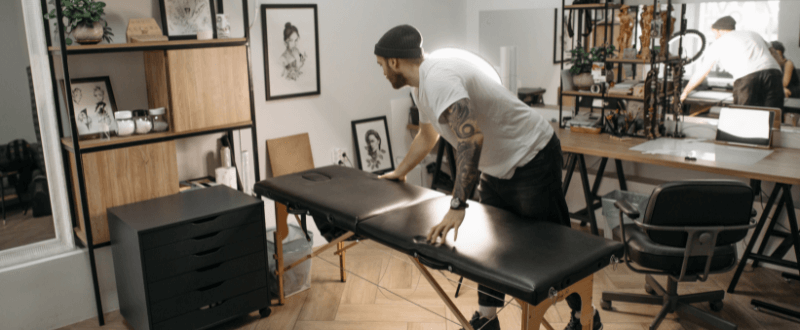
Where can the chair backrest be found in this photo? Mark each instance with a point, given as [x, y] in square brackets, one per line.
[19, 155]
[699, 203]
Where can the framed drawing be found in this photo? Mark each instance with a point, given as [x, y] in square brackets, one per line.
[373, 148]
[182, 19]
[94, 105]
[291, 50]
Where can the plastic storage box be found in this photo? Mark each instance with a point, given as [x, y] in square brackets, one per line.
[295, 246]
[611, 213]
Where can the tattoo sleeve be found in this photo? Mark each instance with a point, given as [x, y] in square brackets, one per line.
[463, 122]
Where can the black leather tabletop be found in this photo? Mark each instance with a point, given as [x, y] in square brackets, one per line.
[344, 195]
[516, 256]
[520, 257]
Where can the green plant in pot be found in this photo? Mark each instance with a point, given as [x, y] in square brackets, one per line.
[84, 21]
[582, 61]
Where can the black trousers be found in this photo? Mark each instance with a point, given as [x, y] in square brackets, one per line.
[534, 193]
[761, 88]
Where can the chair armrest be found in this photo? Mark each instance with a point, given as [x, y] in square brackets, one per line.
[627, 208]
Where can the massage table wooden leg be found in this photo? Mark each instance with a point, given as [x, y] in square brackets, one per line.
[342, 274]
[442, 295]
[533, 316]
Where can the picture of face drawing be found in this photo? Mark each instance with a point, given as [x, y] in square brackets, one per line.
[83, 117]
[77, 95]
[374, 151]
[292, 58]
[187, 17]
[95, 110]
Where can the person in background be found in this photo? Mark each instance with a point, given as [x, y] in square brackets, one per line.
[747, 56]
[791, 81]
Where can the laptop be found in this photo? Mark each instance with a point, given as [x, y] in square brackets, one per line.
[746, 126]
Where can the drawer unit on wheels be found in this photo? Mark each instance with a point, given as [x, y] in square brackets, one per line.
[190, 260]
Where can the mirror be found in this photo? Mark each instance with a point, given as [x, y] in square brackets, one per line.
[25, 199]
[37, 218]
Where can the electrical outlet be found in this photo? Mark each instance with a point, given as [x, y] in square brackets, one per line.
[338, 156]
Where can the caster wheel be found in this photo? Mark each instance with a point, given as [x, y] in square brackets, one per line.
[649, 289]
[265, 312]
[716, 305]
[605, 305]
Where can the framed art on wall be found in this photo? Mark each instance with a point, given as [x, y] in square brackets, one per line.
[373, 148]
[182, 19]
[291, 50]
[94, 105]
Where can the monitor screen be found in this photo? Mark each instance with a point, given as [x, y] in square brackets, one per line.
[745, 126]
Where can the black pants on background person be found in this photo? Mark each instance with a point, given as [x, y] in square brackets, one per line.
[761, 88]
[534, 192]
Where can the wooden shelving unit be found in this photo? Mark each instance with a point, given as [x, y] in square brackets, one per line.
[661, 98]
[145, 46]
[122, 170]
[134, 140]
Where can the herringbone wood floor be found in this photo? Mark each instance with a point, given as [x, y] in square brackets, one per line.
[358, 305]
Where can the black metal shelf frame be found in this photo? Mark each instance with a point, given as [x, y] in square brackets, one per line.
[76, 149]
[146, 47]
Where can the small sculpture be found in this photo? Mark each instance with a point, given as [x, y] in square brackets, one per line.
[626, 22]
[644, 39]
[665, 35]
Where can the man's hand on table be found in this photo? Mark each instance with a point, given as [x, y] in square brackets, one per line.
[394, 176]
[452, 220]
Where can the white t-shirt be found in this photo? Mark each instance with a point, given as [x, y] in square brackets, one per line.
[740, 53]
[513, 133]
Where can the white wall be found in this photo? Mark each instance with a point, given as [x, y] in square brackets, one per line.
[17, 122]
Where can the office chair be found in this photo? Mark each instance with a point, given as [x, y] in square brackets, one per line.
[688, 231]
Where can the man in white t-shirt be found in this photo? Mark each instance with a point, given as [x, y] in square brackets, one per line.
[757, 76]
[505, 148]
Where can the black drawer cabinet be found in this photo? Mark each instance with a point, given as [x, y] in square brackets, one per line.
[190, 260]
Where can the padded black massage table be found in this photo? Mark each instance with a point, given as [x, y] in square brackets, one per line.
[536, 262]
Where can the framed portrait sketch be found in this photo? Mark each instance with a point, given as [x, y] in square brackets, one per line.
[373, 148]
[94, 105]
[182, 19]
[291, 50]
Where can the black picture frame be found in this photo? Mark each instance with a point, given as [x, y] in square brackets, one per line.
[280, 84]
[112, 104]
[172, 34]
[364, 128]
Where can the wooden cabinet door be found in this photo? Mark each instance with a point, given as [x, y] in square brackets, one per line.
[203, 88]
[123, 176]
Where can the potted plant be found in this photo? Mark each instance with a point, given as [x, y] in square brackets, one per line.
[84, 21]
[582, 60]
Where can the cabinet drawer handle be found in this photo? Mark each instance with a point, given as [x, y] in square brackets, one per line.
[209, 287]
[202, 237]
[207, 268]
[202, 221]
[206, 252]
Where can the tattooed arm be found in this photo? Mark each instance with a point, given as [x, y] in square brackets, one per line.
[463, 123]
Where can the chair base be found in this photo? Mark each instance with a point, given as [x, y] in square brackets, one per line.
[671, 302]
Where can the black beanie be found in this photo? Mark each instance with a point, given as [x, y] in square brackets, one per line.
[777, 45]
[402, 41]
[724, 23]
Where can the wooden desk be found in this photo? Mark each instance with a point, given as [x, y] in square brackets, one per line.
[780, 167]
